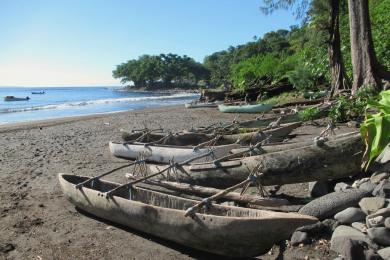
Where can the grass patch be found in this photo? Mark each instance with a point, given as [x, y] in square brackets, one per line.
[281, 99]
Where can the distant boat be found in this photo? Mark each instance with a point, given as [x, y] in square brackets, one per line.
[38, 92]
[12, 98]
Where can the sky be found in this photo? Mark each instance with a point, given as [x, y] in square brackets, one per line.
[79, 42]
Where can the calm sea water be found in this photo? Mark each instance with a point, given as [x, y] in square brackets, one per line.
[73, 101]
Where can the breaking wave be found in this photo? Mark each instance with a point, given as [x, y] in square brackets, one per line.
[99, 102]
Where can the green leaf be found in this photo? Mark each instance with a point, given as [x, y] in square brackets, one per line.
[375, 130]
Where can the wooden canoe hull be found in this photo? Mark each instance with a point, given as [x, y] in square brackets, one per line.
[197, 138]
[257, 108]
[163, 154]
[177, 139]
[335, 159]
[234, 232]
[273, 135]
[261, 122]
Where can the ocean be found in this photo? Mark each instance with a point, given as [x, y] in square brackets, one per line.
[60, 102]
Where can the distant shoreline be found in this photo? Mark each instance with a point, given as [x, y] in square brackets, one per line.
[60, 103]
[6, 127]
[160, 91]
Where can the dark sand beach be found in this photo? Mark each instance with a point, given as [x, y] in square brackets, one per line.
[37, 222]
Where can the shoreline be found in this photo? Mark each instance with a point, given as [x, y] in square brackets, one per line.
[62, 120]
[71, 119]
[37, 220]
[54, 121]
[143, 102]
[35, 217]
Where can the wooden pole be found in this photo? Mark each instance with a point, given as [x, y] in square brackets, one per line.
[81, 184]
[172, 165]
[251, 178]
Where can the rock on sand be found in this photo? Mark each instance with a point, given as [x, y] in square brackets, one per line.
[350, 215]
[332, 203]
[344, 233]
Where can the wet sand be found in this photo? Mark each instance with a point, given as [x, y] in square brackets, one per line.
[37, 220]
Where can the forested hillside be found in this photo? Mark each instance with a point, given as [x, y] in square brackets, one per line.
[299, 55]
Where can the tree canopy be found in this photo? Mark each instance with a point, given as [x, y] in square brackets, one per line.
[164, 70]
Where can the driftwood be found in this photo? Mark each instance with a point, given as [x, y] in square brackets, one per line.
[301, 103]
[206, 191]
[212, 95]
[271, 148]
[322, 161]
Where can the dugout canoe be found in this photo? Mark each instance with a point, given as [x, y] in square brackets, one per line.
[273, 135]
[331, 160]
[175, 139]
[193, 138]
[255, 108]
[260, 122]
[222, 230]
[166, 153]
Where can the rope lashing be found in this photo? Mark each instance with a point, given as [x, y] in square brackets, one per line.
[159, 140]
[191, 210]
[211, 142]
[110, 193]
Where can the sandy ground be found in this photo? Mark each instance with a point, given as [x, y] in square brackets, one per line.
[39, 223]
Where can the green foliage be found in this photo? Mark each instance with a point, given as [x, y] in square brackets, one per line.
[300, 53]
[376, 127]
[302, 79]
[281, 99]
[250, 72]
[247, 72]
[227, 68]
[309, 114]
[168, 70]
[380, 29]
[351, 108]
[305, 46]
[347, 109]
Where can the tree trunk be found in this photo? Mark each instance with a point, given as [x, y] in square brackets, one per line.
[338, 77]
[366, 68]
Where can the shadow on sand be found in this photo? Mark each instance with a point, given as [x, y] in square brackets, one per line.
[194, 253]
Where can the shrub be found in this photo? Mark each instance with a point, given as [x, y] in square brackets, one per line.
[309, 114]
[302, 79]
[351, 108]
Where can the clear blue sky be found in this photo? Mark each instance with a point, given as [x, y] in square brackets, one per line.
[79, 42]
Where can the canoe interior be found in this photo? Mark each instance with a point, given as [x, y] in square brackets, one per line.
[158, 145]
[162, 200]
[189, 139]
